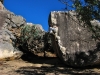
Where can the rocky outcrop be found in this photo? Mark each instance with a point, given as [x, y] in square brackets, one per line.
[17, 36]
[8, 50]
[10, 29]
[72, 42]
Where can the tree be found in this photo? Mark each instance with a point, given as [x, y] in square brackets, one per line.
[87, 10]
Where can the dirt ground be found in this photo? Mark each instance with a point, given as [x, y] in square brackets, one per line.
[29, 65]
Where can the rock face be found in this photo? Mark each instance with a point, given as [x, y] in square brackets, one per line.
[10, 27]
[71, 41]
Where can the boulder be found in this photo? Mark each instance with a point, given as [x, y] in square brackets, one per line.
[9, 35]
[8, 50]
[72, 42]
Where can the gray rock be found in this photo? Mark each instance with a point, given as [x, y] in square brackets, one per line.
[18, 20]
[72, 42]
[13, 25]
[3, 15]
[8, 48]
[5, 25]
[8, 16]
[39, 27]
[8, 21]
[8, 51]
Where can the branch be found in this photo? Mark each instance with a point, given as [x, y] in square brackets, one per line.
[66, 2]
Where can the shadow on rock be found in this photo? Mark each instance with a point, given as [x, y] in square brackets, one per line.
[29, 57]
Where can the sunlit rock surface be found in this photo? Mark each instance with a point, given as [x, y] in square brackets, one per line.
[72, 42]
[9, 32]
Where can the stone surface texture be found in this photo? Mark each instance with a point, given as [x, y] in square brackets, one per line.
[9, 32]
[71, 41]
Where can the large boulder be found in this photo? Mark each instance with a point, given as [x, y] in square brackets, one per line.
[7, 49]
[9, 33]
[72, 42]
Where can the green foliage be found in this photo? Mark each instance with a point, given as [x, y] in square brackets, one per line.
[34, 39]
[29, 32]
[87, 10]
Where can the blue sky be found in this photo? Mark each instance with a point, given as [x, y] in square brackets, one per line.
[34, 11]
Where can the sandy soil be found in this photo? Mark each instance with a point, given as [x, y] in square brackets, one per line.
[43, 66]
